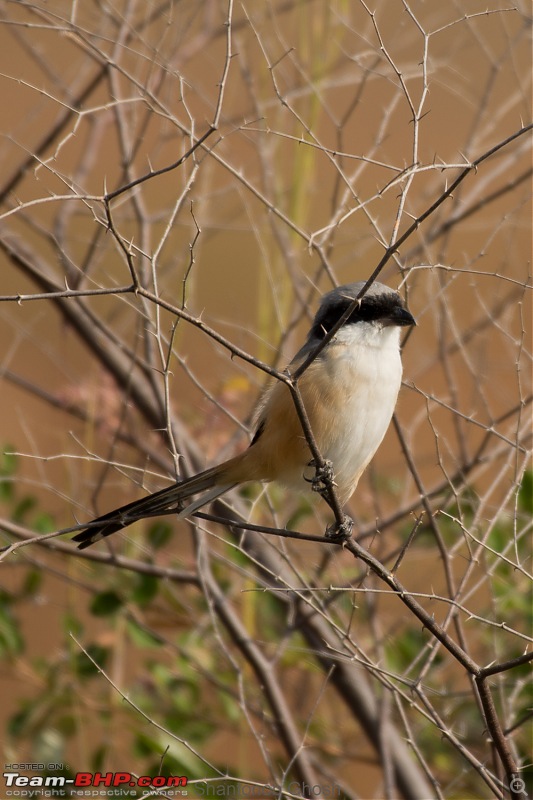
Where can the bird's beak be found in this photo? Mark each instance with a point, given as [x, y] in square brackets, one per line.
[402, 317]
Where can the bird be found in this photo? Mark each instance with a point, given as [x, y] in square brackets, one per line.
[349, 392]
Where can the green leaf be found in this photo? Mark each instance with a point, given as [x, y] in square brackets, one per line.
[140, 636]
[498, 538]
[230, 706]
[72, 625]
[406, 647]
[177, 760]
[11, 641]
[145, 590]
[159, 533]
[98, 758]
[6, 490]
[8, 462]
[32, 583]
[5, 597]
[65, 724]
[106, 603]
[84, 667]
[44, 523]
[23, 507]
[18, 722]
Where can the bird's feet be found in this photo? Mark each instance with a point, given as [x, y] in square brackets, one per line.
[322, 482]
[340, 532]
[323, 478]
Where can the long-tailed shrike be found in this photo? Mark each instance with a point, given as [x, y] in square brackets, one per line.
[349, 392]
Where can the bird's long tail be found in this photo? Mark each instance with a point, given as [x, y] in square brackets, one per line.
[166, 501]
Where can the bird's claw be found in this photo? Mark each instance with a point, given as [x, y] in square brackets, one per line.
[339, 532]
[322, 480]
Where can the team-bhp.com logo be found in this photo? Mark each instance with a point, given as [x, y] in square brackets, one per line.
[15, 781]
